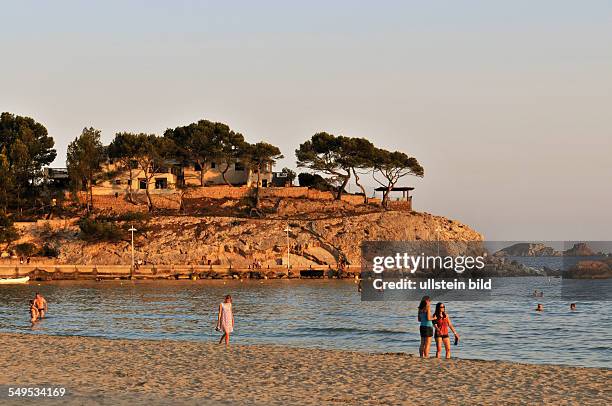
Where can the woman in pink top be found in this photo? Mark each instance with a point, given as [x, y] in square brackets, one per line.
[225, 320]
[442, 324]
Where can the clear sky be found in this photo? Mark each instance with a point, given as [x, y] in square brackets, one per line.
[507, 104]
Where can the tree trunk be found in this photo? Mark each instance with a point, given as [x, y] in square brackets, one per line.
[181, 202]
[90, 197]
[365, 197]
[130, 185]
[257, 189]
[5, 205]
[149, 199]
[342, 186]
[148, 178]
[201, 172]
[385, 202]
[227, 166]
[18, 193]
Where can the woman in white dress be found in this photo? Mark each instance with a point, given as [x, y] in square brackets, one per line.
[225, 320]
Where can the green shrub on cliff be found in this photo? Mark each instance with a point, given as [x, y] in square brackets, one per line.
[8, 233]
[48, 251]
[26, 249]
[130, 217]
[314, 181]
[96, 230]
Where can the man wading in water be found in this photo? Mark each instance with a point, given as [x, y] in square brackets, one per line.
[41, 305]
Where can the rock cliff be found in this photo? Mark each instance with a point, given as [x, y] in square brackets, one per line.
[579, 250]
[243, 241]
[591, 270]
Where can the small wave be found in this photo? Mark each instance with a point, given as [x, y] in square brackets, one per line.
[348, 330]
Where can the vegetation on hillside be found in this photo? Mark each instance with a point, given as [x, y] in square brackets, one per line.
[84, 160]
[25, 147]
[340, 157]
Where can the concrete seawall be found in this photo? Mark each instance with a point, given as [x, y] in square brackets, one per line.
[104, 272]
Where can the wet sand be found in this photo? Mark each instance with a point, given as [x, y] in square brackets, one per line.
[102, 371]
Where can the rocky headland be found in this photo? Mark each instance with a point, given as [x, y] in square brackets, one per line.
[321, 234]
[242, 241]
[591, 269]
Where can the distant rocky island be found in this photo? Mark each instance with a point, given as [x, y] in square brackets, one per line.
[601, 269]
[527, 249]
[580, 250]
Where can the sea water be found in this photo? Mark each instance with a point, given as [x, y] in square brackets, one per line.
[322, 314]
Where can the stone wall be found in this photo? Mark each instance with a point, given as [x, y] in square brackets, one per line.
[404, 205]
[49, 272]
[120, 203]
[170, 199]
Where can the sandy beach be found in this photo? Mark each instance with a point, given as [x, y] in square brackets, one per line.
[102, 371]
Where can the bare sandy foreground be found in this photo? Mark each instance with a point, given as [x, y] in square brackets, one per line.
[110, 372]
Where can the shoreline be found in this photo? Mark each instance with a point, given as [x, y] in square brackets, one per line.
[126, 371]
[53, 272]
[98, 273]
[304, 348]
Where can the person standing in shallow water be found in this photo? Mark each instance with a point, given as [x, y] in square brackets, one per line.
[442, 324]
[34, 313]
[426, 329]
[225, 319]
[41, 305]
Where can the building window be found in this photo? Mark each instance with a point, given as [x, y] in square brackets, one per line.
[129, 182]
[197, 167]
[161, 183]
[213, 165]
[238, 167]
[117, 181]
[264, 183]
[133, 164]
[142, 184]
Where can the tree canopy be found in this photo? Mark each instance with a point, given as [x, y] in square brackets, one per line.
[124, 149]
[327, 153]
[25, 147]
[391, 167]
[152, 152]
[341, 156]
[84, 159]
[257, 156]
[195, 143]
[205, 142]
[359, 155]
[8, 233]
[34, 138]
